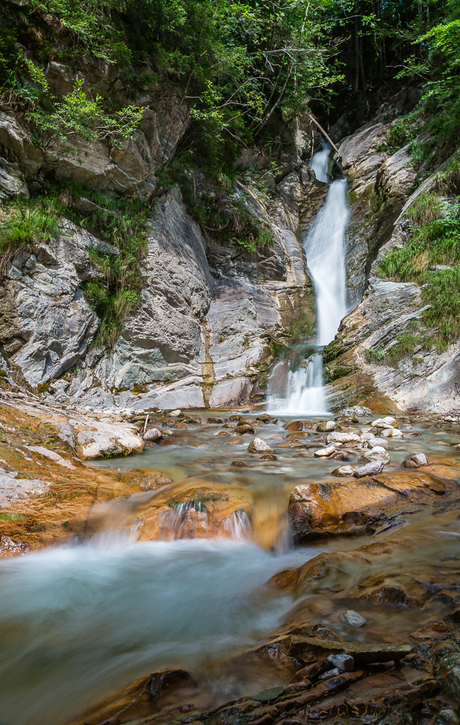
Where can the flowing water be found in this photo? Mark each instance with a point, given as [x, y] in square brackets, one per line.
[325, 252]
[78, 622]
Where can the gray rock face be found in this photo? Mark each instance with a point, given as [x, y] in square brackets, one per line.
[56, 322]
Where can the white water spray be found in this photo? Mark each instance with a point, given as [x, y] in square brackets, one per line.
[325, 252]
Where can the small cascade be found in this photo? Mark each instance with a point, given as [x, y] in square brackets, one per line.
[187, 520]
[238, 526]
[304, 392]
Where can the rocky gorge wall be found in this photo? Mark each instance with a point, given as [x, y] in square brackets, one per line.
[201, 334]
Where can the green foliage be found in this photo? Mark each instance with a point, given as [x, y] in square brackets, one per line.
[84, 118]
[431, 258]
[404, 130]
[122, 222]
[27, 224]
[404, 346]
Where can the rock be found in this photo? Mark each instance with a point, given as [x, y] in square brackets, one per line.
[238, 464]
[344, 471]
[358, 410]
[352, 618]
[326, 426]
[14, 489]
[217, 421]
[375, 454]
[392, 433]
[416, 460]
[175, 413]
[52, 455]
[257, 445]
[295, 425]
[67, 434]
[268, 457]
[264, 418]
[330, 673]
[370, 469]
[345, 663]
[152, 434]
[447, 717]
[244, 428]
[338, 437]
[105, 440]
[387, 422]
[325, 452]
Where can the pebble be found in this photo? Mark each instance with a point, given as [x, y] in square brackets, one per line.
[338, 437]
[345, 663]
[353, 619]
[238, 464]
[416, 460]
[326, 426]
[387, 422]
[257, 445]
[375, 454]
[330, 673]
[325, 452]
[243, 428]
[370, 469]
[392, 433]
[175, 413]
[344, 471]
[152, 434]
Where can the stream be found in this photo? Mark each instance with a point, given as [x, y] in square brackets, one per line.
[81, 620]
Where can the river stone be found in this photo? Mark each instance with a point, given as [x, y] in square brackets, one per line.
[375, 454]
[345, 663]
[392, 433]
[344, 471]
[387, 422]
[325, 452]
[296, 425]
[264, 418]
[257, 445]
[330, 673]
[342, 438]
[416, 460]
[244, 428]
[370, 469]
[352, 618]
[326, 426]
[152, 434]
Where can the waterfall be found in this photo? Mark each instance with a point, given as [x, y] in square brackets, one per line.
[325, 253]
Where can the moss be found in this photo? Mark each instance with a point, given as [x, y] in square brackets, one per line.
[303, 328]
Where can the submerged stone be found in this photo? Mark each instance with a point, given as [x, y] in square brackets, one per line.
[352, 618]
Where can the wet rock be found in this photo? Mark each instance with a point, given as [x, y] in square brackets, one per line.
[235, 442]
[244, 428]
[387, 422]
[370, 469]
[326, 452]
[416, 460]
[268, 457]
[392, 433]
[264, 418]
[152, 434]
[352, 618]
[330, 673]
[219, 421]
[296, 425]
[345, 663]
[326, 426]
[257, 445]
[338, 437]
[238, 464]
[375, 454]
[447, 717]
[344, 471]
[176, 413]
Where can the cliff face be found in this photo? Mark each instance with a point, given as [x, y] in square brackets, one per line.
[384, 346]
[201, 334]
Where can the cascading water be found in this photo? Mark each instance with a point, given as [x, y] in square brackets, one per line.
[325, 252]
